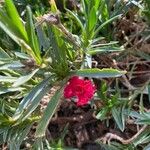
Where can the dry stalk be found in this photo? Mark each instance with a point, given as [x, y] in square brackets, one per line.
[53, 19]
[110, 136]
[125, 80]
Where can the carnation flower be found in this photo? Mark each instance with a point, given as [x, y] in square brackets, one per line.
[82, 89]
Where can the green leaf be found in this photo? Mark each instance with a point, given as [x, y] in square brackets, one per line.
[4, 55]
[99, 73]
[103, 11]
[76, 18]
[35, 102]
[119, 117]
[104, 49]
[102, 92]
[33, 41]
[58, 51]
[102, 114]
[42, 38]
[33, 98]
[22, 55]
[38, 144]
[12, 65]
[7, 79]
[137, 4]
[147, 147]
[19, 135]
[105, 23]
[143, 138]
[8, 90]
[133, 114]
[48, 113]
[92, 19]
[97, 4]
[24, 79]
[103, 44]
[84, 8]
[13, 14]
[9, 28]
[53, 6]
[12, 30]
[144, 118]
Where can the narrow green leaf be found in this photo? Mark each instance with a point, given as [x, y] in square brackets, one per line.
[97, 4]
[119, 117]
[9, 90]
[9, 31]
[105, 23]
[7, 25]
[42, 38]
[76, 18]
[22, 55]
[133, 114]
[7, 79]
[12, 65]
[144, 118]
[84, 8]
[143, 138]
[13, 14]
[103, 11]
[102, 114]
[34, 104]
[104, 44]
[104, 49]
[48, 113]
[137, 4]
[99, 73]
[58, 51]
[20, 134]
[32, 36]
[13, 32]
[4, 55]
[92, 19]
[28, 100]
[147, 147]
[97, 39]
[24, 79]
[53, 6]
[39, 144]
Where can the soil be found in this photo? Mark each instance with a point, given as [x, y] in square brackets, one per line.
[77, 126]
[83, 129]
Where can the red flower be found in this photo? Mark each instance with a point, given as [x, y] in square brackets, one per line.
[82, 89]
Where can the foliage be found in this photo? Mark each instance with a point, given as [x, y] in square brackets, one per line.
[39, 53]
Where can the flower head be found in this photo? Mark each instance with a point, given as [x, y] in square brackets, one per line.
[82, 89]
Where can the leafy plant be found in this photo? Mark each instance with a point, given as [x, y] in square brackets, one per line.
[146, 9]
[111, 104]
[47, 55]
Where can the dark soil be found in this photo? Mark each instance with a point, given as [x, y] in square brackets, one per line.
[83, 129]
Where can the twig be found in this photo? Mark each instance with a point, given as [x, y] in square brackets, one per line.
[139, 72]
[53, 19]
[110, 136]
[125, 80]
[132, 63]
